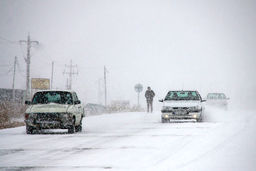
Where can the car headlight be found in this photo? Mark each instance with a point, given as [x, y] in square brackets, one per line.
[166, 116]
[30, 115]
[26, 116]
[195, 116]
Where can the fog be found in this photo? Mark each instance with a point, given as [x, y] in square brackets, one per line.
[207, 46]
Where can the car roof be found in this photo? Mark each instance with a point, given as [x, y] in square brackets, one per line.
[216, 93]
[183, 90]
[70, 91]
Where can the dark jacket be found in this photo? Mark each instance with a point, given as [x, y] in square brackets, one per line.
[149, 94]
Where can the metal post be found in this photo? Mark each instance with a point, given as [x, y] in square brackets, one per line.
[52, 74]
[29, 44]
[138, 99]
[13, 81]
[28, 69]
[105, 85]
[70, 75]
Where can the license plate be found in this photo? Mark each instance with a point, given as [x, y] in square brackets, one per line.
[47, 122]
[180, 112]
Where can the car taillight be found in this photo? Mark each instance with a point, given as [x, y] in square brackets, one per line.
[26, 115]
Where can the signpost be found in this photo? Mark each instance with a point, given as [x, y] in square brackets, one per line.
[138, 88]
[40, 83]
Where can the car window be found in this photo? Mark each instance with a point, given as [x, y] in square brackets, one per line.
[222, 96]
[216, 96]
[52, 97]
[182, 95]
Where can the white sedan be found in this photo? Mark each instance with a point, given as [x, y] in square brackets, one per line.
[182, 105]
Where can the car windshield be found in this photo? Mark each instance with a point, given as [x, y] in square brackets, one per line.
[182, 95]
[216, 96]
[59, 97]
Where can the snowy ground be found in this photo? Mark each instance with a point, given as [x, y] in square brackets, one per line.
[138, 141]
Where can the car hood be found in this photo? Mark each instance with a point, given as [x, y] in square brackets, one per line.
[48, 108]
[182, 103]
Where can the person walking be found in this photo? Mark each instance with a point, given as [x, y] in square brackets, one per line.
[149, 94]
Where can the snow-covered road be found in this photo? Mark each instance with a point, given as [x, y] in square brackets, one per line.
[138, 141]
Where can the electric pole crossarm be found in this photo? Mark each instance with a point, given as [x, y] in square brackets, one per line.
[70, 74]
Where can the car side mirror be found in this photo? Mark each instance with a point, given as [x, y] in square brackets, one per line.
[28, 102]
[161, 100]
[203, 100]
[227, 98]
[78, 102]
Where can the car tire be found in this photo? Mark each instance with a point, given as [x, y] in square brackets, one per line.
[200, 119]
[164, 120]
[30, 129]
[79, 127]
[71, 128]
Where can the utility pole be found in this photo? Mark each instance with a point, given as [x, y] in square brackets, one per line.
[138, 99]
[99, 82]
[52, 74]
[13, 80]
[70, 73]
[28, 60]
[105, 85]
[67, 86]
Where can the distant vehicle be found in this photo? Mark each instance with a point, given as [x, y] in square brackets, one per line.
[185, 105]
[217, 99]
[54, 110]
[94, 109]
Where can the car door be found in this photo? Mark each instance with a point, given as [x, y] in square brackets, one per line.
[78, 109]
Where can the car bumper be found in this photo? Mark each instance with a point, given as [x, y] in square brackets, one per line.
[49, 124]
[192, 116]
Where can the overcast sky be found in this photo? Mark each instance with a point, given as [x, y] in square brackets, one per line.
[208, 45]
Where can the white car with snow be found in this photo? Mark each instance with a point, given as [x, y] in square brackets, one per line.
[54, 110]
[218, 100]
[182, 105]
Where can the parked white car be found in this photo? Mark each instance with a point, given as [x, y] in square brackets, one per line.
[182, 105]
[54, 110]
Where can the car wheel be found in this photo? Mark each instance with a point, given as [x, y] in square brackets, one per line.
[71, 128]
[30, 129]
[164, 120]
[200, 119]
[79, 127]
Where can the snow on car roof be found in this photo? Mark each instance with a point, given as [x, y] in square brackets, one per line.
[71, 91]
[183, 90]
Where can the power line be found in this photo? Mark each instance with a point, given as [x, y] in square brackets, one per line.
[10, 70]
[70, 73]
[7, 72]
[4, 65]
[9, 41]
[21, 72]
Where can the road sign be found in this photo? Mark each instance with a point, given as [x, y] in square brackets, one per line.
[40, 83]
[138, 88]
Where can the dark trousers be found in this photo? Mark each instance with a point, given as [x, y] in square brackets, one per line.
[150, 106]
